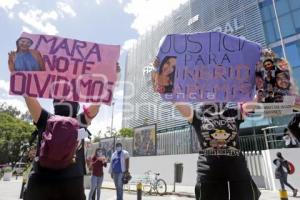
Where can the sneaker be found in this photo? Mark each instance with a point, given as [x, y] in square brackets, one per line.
[295, 192]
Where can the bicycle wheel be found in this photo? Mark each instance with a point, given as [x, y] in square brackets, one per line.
[147, 188]
[161, 187]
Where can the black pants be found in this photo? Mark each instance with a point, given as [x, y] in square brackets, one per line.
[43, 189]
[224, 178]
[283, 181]
[235, 190]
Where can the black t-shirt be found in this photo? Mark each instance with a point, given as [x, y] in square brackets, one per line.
[76, 169]
[218, 131]
[220, 157]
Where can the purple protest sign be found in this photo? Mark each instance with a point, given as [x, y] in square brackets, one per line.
[63, 68]
[210, 66]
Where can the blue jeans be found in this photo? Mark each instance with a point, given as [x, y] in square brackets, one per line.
[118, 180]
[96, 183]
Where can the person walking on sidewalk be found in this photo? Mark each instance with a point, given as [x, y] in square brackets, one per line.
[281, 172]
[119, 169]
[98, 162]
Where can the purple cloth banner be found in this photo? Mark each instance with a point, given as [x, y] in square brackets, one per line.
[210, 66]
[62, 68]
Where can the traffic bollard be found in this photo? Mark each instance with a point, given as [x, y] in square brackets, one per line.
[283, 195]
[139, 191]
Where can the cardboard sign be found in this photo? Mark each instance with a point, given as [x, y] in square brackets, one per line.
[67, 69]
[144, 140]
[275, 87]
[209, 66]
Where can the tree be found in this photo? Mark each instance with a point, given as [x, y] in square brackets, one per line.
[96, 139]
[125, 132]
[11, 110]
[14, 133]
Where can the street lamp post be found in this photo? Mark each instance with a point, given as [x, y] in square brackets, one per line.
[112, 118]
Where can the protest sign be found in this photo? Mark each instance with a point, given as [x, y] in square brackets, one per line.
[144, 140]
[73, 70]
[275, 87]
[210, 66]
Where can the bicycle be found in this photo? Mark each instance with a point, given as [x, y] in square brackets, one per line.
[157, 184]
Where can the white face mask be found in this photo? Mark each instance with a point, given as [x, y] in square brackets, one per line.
[99, 153]
[119, 149]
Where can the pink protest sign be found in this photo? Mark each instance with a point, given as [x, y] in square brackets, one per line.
[53, 67]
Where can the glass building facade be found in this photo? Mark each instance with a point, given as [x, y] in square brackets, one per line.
[281, 21]
[255, 20]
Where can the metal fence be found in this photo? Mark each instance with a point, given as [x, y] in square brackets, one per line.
[185, 141]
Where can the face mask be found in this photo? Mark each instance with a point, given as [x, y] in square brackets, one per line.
[99, 153]
[119, 149]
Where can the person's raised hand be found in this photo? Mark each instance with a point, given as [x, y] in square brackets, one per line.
[11, 60]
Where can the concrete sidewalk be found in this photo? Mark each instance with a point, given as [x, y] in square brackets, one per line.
[180, 190]
[10, 190]
[188, 191]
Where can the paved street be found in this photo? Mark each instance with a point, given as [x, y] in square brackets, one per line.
[10, 190]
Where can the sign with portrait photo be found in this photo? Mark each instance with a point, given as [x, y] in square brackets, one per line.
[275, 88]
[144, 140]
[208, 66]
[53, 67]
[107, 145]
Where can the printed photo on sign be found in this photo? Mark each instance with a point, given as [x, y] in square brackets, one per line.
[144, 140]
[53, 67]
[166, 74]
[107, 146]
[275, 87]
[25, 58]
[210, 66]
[216, 126]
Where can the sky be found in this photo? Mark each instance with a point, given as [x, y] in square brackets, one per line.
[119, 22]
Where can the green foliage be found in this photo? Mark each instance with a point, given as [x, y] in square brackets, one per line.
[7, 169]
[11, 110]
[96, 139]
[125, 132]
[13, 133]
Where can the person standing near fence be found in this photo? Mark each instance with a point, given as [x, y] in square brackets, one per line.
[281, 172]
[289, 139]
[294, 126]
[97, 164]
[119, 169]
[221, 168]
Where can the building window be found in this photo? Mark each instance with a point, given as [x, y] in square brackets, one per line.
[288, 14]
[286, 25]
[271, 32]
[296, 75]
[296, 17]
[282, 7]
[293, 52]
[295, 4]
[278, 51]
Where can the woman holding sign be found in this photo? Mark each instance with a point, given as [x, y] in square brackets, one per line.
[25, 59]
[222, 169]
[50, 180]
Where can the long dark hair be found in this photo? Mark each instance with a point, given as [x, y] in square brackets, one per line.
[95, 153]
[286, 76]
[279, 155]
[171, 76]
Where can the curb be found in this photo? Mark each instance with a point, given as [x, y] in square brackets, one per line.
[167, 193]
